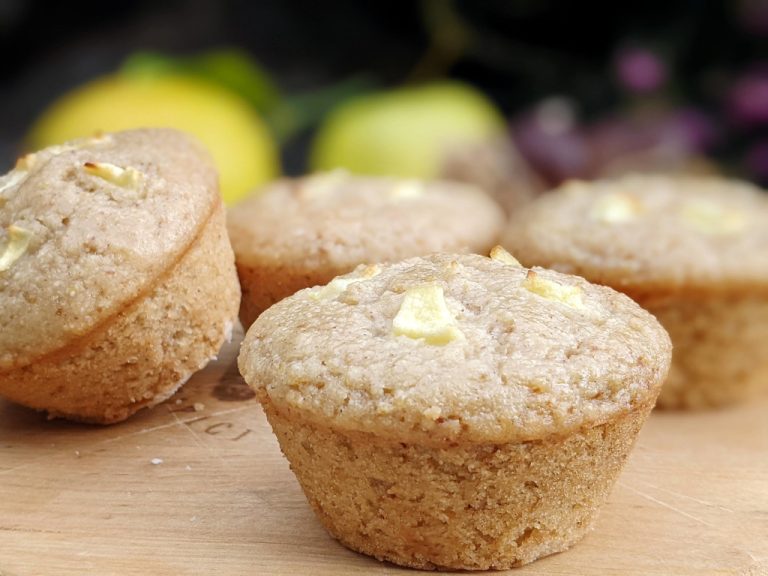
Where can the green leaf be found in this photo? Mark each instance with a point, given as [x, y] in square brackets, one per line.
[237, 71]
[300, 111]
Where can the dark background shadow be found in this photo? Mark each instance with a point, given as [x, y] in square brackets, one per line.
[518, 51]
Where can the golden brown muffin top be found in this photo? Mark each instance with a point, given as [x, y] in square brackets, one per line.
[335, 221]
[456, 348]
[86, 228]
[654, 233]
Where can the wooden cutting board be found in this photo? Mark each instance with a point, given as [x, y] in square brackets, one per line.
[198, 486]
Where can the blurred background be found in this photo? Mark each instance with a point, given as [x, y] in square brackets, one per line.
[515, 94]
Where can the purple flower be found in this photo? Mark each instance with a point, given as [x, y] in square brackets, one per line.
[640, 70]
[550, 140]
[692, 127]
[748, 97]
[681, 132]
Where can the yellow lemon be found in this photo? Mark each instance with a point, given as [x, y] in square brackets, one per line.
[404, 132]
[240, 143]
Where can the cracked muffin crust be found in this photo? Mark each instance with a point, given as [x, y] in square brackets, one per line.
[126, 284]
[456, 411]
[692, 251]
[303, 232]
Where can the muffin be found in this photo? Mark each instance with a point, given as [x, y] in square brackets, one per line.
[692, 251]
[117, 280]
[497, 167]
[304, 232]
[456, 411]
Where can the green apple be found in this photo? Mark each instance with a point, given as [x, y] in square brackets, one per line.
[239, 141]
[404, 132]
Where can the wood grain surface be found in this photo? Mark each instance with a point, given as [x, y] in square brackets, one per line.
[198, 486]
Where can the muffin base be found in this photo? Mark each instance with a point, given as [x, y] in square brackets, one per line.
[459, 506]
[144, 353]
[265, 285]
[719, 349]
